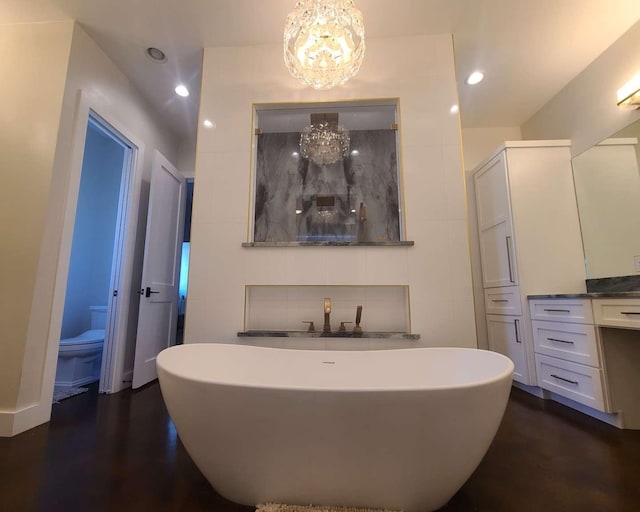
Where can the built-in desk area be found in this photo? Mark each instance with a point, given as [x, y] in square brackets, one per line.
[587, 352]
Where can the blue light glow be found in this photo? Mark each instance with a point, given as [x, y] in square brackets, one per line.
[184, 271]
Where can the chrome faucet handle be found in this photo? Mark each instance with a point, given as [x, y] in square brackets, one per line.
[357, 329]
[342, 328]
[312, 327]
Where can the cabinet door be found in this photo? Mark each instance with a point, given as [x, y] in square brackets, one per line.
[506, 336]
[494, 225]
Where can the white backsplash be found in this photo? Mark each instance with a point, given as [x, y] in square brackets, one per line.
[284, 308]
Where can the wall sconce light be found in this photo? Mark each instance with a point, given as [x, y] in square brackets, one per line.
[629, 94]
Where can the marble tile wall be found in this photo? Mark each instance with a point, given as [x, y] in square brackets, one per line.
[418, 72]
[287, 185]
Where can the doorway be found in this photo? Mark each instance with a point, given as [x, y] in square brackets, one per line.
[184, 263]
[88, 322]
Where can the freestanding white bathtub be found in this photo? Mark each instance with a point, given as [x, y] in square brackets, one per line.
[397, 429]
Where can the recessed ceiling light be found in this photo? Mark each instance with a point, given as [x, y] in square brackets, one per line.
[454, 109]
[208, 123]
[156, 55]
[181, 90]
[355, 152]
[475, 78]
[295, 154]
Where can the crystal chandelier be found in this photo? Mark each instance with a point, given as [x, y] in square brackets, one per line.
[324, 42]
[324, 142]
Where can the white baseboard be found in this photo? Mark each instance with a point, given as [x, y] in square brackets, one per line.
[612, 419]
[15, 422]
[532, 390]
[616, 420]
[76, 383]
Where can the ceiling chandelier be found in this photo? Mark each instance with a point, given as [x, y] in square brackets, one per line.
[324, 142]
[324, 42]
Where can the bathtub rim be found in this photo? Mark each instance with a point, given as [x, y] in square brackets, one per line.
[498, 377]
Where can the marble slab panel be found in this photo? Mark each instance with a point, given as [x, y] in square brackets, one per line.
[298, 200]
[614, 284]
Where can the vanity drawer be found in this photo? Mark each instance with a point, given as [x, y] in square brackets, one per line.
[503, 301]
[562, 310]
[617, 312]
[573, 342]
[577, 382]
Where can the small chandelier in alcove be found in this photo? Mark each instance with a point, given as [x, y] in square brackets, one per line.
[324, 142]
[324, 42]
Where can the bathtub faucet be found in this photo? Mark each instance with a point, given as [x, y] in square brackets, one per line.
[327, 312]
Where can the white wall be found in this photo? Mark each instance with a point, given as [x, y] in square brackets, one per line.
[94, 232]
[478, 143]
[418, 70]
[90, 70]
[33, 66]
[186, 161]
[585, 110]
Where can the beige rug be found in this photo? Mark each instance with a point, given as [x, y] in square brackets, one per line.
[279, 507]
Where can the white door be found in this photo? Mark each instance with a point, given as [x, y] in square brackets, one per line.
[160, 274]
[494, 225]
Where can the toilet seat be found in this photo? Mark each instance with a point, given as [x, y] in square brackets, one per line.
[91, 339]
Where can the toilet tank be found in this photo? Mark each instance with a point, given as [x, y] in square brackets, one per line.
[98, 317]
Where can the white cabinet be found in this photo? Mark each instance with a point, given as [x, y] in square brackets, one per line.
[506, 337]
[624, 313]
[588, 350]
[568, 356]
[494, 224]
[529, 239]
[502, 301]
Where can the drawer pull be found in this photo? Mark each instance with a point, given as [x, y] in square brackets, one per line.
[561, 341]
[558, 310]
[565, 380]
[508, 240]
[630, 312]
[505, 300]
[515, 324]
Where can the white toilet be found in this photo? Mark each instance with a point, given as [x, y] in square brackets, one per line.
[80, 357]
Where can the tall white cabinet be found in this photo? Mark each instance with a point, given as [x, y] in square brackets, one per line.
[529, 237]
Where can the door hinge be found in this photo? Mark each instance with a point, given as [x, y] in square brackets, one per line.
[115, 293]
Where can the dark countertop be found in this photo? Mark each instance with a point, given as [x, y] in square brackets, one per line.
[306, 334]
[592, 295]
[330, 243]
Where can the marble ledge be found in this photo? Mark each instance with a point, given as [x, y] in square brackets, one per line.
[306, 334]
[330, 243]
[591, 295]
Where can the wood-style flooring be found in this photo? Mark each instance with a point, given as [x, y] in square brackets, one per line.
[121, 453]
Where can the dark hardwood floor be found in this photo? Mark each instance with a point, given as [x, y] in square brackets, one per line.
[121, 453]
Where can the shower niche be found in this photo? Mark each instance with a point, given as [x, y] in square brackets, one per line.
[326, 174]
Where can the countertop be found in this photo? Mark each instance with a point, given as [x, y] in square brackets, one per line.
[330, 243]
[592, 295]
[305, 334]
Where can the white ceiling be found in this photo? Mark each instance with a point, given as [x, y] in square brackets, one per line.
[528, 49]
